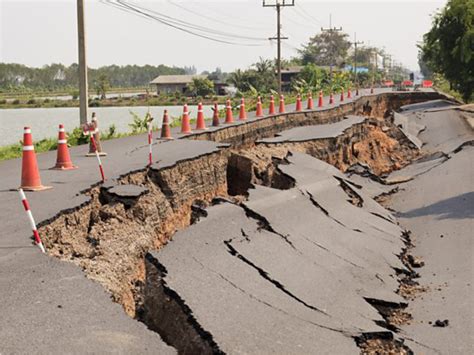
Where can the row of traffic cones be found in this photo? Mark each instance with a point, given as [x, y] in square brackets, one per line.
[30, 178]
[229, 118]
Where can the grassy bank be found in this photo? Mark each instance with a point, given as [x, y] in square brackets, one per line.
[115, 102]
[76, 137]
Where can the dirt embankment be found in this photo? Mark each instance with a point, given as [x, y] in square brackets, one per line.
[109, 236]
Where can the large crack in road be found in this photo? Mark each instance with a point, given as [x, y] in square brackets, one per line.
[259, 246]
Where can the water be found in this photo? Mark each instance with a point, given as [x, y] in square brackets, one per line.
[44, 121]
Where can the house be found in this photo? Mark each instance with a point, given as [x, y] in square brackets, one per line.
[168, 84]
[287, 75]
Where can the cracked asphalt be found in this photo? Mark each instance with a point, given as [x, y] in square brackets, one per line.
[287, 272]
[294, 265]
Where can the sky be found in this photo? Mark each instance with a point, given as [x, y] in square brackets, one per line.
[37, 32]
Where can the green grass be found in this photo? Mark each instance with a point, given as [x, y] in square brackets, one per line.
[75, 137]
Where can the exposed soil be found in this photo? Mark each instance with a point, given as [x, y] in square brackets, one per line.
[380, 346]
[109, 237]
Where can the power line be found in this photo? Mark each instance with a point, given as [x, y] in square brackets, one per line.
[355, 43]
[194, 26]
[278, 5]
[299, 11]
[331, 30]
[211, 18]
[180, 25]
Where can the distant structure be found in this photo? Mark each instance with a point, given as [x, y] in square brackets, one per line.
[168, 84]
[287, 75]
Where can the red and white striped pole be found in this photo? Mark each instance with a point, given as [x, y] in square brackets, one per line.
[150, 140]
[97, 156]
[36, 235]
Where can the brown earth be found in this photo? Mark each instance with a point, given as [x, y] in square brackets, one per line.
[109, 238]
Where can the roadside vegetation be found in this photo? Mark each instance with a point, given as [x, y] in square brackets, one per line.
[447, 51]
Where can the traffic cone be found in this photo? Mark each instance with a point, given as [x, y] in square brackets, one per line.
[281, 108]
[331, 98]
[165, 127]
[200, 122]
[342, 95]
[242, 113]
[271, 108]
[259, 112]
[320, 100]
[229, 118]
[185, 127]
[215, 116]
[63, 160]
[349, 94]
[30, 178]
[310, 101]
[299, 106]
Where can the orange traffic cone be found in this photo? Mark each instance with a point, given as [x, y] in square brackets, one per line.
[349, 94]
[271, 108]
[30, 178]
[342, 95]
[242, 113]
[63, 160]
[259, 112]
[310, 101]
[320, 100]
[281, 108]
[185, 127]
[200, 122]
[229, 118]
[165, 127]
[215, 116]
[299, 106]
[331, 98]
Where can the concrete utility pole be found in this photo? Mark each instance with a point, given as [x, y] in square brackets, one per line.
[331, 30]
[278, 4]
[355, 59]
[83, 87]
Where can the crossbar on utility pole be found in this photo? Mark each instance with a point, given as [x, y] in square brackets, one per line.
[278, 4]
[331, 30]
[83, 87]
[355, 43]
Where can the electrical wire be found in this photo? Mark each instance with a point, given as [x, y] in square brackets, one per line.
[211, 18]
[210, 34]
[305, 15]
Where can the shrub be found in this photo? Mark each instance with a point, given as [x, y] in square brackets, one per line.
[16, 102]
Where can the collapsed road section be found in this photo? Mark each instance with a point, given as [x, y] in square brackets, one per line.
[276, 249]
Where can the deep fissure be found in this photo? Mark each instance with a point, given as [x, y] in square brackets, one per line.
[89, 222]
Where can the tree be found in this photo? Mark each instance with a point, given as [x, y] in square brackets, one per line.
[448, 48]
[326, 48]
[201, 87]
[311, 78]
[101, 86]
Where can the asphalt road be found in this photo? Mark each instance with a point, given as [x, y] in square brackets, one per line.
[437, 205]
[48, 306]
[297, 284]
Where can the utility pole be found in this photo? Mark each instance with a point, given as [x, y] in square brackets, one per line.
[278, 4]
[83, 87]
[331, 30]
[355, 59]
